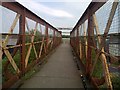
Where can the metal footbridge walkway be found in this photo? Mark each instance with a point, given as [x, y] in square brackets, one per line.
[38, 56]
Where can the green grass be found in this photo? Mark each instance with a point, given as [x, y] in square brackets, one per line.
[84, 61]
[101, 87]
[65, 36]
[29, 74]
[38, 37]
[116, 64]
[115, 77]
[98, 71]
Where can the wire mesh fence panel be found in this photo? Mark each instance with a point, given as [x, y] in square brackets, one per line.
[99, 42]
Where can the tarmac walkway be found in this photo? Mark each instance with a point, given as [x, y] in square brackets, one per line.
[59, 72]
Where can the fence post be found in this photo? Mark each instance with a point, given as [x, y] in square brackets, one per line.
[78, 41]
[22, 41]
[46, 38]
[90, 43]
[53, 38]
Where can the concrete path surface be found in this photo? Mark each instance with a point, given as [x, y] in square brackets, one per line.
[59, 72]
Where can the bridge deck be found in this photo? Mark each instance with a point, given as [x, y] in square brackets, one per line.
[59, 72]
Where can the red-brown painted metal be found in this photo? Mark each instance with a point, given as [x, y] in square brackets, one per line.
[94, 50]
[18, 8]
[46, 37]
[22, 45]
[22, 31]
[90, 43]
[93, 6]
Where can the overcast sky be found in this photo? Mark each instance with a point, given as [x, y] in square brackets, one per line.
[59, 13]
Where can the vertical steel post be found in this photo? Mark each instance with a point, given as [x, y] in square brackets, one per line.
[57, 39]
[46, 38]
[53, 37]
[73, 40]
[77, 41]
[90, 43]
[22, 41]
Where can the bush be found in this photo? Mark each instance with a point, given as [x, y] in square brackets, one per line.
[115, 78]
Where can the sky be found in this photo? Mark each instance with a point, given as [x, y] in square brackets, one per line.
[59, 13]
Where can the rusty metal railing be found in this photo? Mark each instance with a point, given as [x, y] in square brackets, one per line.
[20, 52]
[89, 39]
